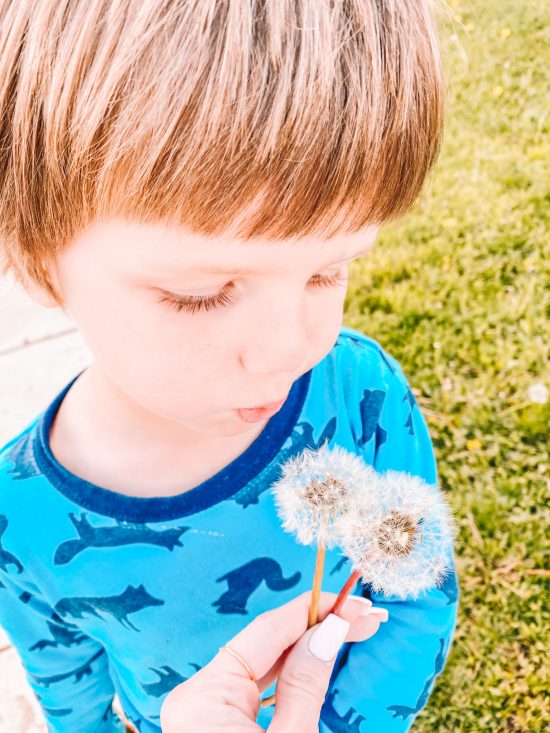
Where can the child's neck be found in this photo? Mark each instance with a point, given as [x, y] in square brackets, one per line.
[101, 436]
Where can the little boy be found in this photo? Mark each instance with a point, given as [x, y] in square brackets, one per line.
[189, 180]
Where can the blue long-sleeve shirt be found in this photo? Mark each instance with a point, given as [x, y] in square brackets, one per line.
[102, 592]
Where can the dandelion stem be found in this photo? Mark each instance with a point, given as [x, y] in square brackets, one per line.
[344, 593]
[317, 581]
[314, 606]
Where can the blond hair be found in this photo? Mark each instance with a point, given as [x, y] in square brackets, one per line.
[185, 111]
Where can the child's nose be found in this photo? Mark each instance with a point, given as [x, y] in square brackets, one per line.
[279, 343]
[276, 357]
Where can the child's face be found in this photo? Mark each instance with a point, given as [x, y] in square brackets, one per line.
[197, 368]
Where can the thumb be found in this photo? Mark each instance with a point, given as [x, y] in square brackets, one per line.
[305, 676]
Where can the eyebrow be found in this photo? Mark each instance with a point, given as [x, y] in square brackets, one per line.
[245, 270]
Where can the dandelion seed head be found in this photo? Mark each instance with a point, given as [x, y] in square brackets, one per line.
[316, 487]
[538, 393]
[398, 534]
[326, 495]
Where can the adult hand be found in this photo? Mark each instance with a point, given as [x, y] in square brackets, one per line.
[222, 697]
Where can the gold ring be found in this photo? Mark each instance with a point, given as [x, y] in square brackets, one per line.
[241, 660]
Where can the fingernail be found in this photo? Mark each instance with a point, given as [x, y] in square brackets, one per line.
[365, 603]
[379, 613]
[328, 637]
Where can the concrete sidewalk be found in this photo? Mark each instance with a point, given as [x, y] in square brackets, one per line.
[40, 351]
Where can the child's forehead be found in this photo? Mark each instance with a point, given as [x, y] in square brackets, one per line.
[160, 249]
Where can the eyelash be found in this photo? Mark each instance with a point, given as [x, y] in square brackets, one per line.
[196, 303]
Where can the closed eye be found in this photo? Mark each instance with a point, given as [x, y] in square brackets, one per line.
[196, 303]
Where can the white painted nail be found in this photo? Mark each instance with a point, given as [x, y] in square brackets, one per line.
[328, 637]
[379, 613]
[365, 604]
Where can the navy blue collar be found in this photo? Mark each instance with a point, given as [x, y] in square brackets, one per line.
[219, 487]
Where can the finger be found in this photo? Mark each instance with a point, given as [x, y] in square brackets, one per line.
[265, 681]
[361, 629]
[367, 625]
[265, 639]
[305, 677]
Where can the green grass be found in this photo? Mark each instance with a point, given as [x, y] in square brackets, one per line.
[458, 291]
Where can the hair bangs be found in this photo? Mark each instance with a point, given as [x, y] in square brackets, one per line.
[289, 118]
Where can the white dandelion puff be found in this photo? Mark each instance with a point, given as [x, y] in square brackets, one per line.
[315, 489]
[398, 535]
[538, 393]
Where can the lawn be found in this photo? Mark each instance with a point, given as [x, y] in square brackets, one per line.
[459, 292]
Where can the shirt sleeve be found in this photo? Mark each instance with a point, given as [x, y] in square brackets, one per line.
[66, 669]
[381, 684]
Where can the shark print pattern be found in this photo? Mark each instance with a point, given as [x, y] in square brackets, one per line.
[122, 533]
[348, 723]
[168, 678]
[7, 558]
[301, 438]
[403, 711]
[243, 581]
[131, 600]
